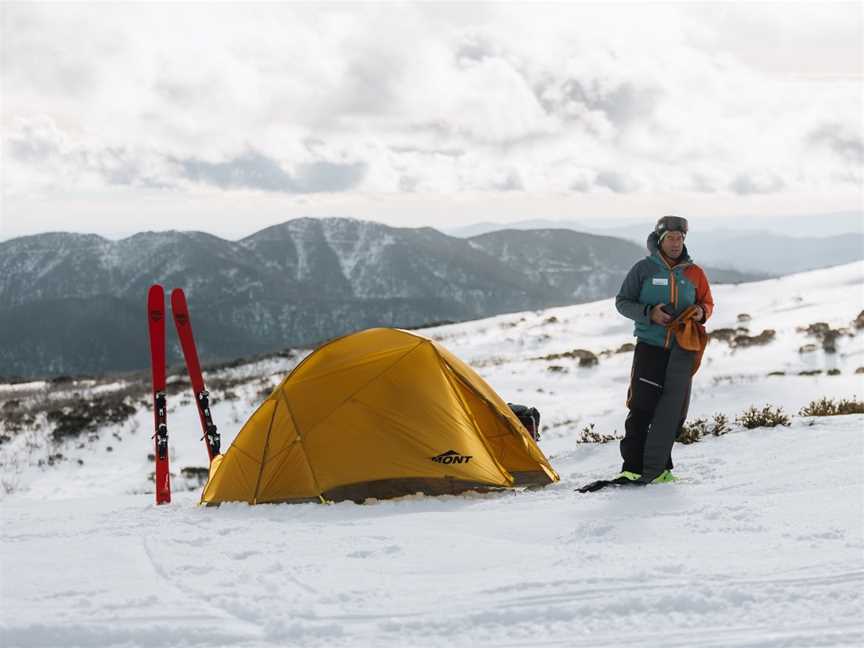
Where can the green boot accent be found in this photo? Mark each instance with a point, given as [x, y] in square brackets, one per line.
[629, 475]
[665, 477]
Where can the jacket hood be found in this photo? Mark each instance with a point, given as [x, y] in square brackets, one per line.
[653, 246]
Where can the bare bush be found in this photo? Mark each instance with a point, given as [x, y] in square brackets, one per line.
[829, 407]
[739, 337]
[586, 358]
[722, 334]
[698, 428]
[768, 416]
[744, 340]
[76, 415]
[589, 435]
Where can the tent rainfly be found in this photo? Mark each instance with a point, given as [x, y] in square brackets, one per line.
[380, 413]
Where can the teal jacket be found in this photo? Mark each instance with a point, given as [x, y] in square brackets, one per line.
[653, 281]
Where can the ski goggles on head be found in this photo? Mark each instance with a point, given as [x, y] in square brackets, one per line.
[671, 224]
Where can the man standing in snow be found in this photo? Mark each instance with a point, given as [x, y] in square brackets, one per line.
[660, 293]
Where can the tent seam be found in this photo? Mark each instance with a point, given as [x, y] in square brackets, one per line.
[363, 386]
[299, 434]
[467, 411]
[281, 463]
[264, 454]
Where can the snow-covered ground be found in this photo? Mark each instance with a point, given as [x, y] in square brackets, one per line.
[761, 543]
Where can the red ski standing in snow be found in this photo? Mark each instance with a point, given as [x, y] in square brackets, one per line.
[156, 326]
[180, 310]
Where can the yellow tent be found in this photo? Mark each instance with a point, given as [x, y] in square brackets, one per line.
[379, 413]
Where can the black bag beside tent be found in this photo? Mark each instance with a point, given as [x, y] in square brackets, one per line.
[529, 417]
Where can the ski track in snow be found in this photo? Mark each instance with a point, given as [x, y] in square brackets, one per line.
[760, 544]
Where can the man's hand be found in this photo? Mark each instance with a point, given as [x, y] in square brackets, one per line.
[700, 313]
[659, 316]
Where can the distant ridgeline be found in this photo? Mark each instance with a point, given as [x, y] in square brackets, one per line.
[75, 304]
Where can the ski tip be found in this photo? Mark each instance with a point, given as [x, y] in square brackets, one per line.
[178, 299]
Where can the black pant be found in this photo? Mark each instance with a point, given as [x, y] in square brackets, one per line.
[646, 385]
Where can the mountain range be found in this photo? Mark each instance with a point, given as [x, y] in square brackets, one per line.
[746, 244]
[74, 303]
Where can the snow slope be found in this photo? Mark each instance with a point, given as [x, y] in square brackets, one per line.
[761, 543]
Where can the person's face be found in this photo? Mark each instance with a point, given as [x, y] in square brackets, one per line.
[673, 244]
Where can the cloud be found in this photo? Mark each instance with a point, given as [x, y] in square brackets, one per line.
[420, 98]
[252, 170]
[408, 183]
[448, 152]
[52, 154]
[621, 104]
[746, 185]
[845, 144]
[511, 181]
[617, 182]
[35, 141]
[702, 183]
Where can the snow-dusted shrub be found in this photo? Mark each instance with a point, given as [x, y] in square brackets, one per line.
[817, 329]
[15, 415]
[588, 435]
[195, 476]
[828, 407]
[768, 416]
[263, 393]
[76, 415]
[764, 337]
[739, 337]
[586, 358]
[695, 430]
[829, 341]
[722, 334]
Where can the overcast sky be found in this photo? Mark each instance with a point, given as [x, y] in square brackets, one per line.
[231, 117]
